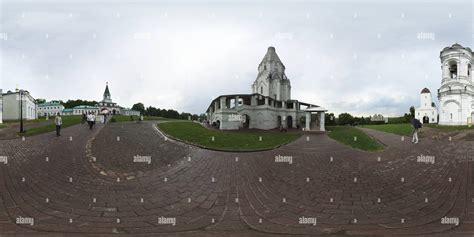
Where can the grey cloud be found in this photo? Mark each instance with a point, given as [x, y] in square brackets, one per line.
[198, 51]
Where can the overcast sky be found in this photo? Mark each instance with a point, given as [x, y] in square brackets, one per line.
[361, 57]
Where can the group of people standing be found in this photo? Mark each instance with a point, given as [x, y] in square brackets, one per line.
[90, 118]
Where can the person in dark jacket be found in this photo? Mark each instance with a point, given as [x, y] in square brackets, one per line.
[416, 124]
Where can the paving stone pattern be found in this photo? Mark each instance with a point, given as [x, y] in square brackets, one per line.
[349, 192]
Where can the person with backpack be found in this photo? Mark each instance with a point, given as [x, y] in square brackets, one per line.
[416, 126]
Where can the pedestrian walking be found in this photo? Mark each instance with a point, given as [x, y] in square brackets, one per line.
[58, 121]
[89, 120]
[84, 117]
[416, 124]
[93, 119]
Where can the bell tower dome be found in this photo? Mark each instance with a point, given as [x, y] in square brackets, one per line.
[456, 64]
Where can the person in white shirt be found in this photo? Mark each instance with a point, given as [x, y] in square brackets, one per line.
[89, 120]
[58, 121]
[93, 119]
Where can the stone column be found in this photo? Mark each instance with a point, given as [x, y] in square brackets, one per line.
[223, 102]
[253, 101]
[308, 121]
[279, 91]
[236, 102]
[321, 121]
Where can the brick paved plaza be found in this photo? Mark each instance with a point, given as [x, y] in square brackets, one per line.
[86, 182]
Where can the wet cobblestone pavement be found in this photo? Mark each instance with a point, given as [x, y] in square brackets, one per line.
[87, 182]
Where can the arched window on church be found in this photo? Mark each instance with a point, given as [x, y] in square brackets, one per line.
[453, 69]
[469, 69]
[261, 90]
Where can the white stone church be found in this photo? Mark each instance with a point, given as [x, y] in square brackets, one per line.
[456, 94]
[269, 106]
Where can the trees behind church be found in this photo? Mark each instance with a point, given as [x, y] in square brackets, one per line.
[139, 107]
[165, 113]
[348, 119]
[74, 103]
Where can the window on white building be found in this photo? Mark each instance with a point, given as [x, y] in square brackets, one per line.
[453, 69]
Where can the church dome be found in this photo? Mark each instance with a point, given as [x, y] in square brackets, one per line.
[425, 90]
[457, 46]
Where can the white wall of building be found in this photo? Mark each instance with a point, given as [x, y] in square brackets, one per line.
[11, 106]
[50, 109]
[85, 110]
[455, 109]
[130, 112]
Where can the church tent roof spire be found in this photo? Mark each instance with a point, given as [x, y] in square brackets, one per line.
[107, 92]
[271, 56]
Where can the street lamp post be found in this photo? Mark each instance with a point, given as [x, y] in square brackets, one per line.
[21, 112]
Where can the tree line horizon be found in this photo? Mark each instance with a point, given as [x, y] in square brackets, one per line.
[330, 118]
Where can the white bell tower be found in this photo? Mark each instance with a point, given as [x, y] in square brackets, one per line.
[456, 93]
[427, 112]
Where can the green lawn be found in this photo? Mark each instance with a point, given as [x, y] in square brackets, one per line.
[346, 134]
[404, 129]
[67, 121]
[244, 140]
[2, 125]
[449, 128]
[7, 122]
[155, 118]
